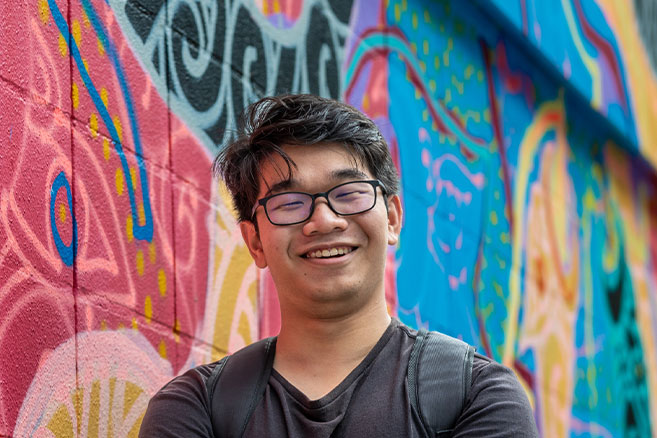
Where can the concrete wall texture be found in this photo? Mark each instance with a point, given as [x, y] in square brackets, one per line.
[524, 132]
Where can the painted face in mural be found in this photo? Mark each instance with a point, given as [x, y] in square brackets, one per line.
[324, 286]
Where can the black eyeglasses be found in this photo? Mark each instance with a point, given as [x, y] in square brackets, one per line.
[346, 199]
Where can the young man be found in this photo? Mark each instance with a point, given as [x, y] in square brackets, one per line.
[317, 196]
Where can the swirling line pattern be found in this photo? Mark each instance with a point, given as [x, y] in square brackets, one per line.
[607, 54]
[223, 57]
[526, 279]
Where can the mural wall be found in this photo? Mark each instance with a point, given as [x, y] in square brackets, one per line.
[525, 141]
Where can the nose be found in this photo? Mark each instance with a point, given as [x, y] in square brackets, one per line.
[323, 220]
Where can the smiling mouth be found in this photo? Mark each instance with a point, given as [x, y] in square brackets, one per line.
[329, 252]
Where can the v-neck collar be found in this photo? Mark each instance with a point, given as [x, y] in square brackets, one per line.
[351, 378]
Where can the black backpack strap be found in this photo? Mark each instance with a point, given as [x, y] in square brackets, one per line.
[439, 378]
[244, 377]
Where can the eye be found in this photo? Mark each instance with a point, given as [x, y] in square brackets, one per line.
[288, 205]
[347, 194]
[287, 202]
[351, 192]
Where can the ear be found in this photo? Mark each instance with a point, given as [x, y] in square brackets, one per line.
[252, 240]
[394, 219]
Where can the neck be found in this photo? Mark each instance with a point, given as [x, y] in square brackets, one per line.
[341, 340]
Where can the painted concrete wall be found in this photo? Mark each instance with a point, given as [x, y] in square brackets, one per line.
[525, 140]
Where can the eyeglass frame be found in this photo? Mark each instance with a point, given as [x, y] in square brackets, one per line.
[373, 182]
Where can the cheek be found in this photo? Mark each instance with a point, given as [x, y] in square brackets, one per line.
[275, 249]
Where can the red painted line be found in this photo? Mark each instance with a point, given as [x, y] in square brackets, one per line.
[417, 82]
[362, 62]
[524, 373]
[497, 129]
[606, 49]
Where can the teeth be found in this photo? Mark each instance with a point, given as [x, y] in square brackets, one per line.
[329, 252]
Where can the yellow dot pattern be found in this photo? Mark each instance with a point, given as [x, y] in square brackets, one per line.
[103, 96]
[141, 214]
[62, 213]
[176, 330]
[77, 33]
[493, 217]
[162, 348]
[75, 95]
[101, 48]
[106, 149]
[162, 282]
[61, 44]
[93, 125]
[118, 179]
[148, 309]
[117, 126]
[469, 71]
[129, 229]
[44, 11]
[139, 260]
[133, 178]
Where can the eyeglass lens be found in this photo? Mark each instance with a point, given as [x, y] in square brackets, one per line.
[350, 198]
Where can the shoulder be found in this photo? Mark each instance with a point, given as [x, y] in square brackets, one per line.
[497, 404]
[488, 374]
[191, 383]
[181, 407]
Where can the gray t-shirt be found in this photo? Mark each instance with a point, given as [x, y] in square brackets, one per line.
[372, 401]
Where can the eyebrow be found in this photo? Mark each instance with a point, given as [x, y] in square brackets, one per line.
[336, 175]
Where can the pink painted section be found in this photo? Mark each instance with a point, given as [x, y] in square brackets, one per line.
[125, 287]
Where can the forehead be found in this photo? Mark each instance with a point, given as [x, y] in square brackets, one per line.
[313, 167]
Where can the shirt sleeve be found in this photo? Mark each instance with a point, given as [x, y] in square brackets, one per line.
[179, 409]
[497, 405]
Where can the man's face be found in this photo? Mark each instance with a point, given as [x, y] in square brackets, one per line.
[323, 286]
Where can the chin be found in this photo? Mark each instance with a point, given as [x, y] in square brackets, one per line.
[333, 293]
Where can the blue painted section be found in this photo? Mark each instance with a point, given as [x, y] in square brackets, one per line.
[66, 252]
[141, 232]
